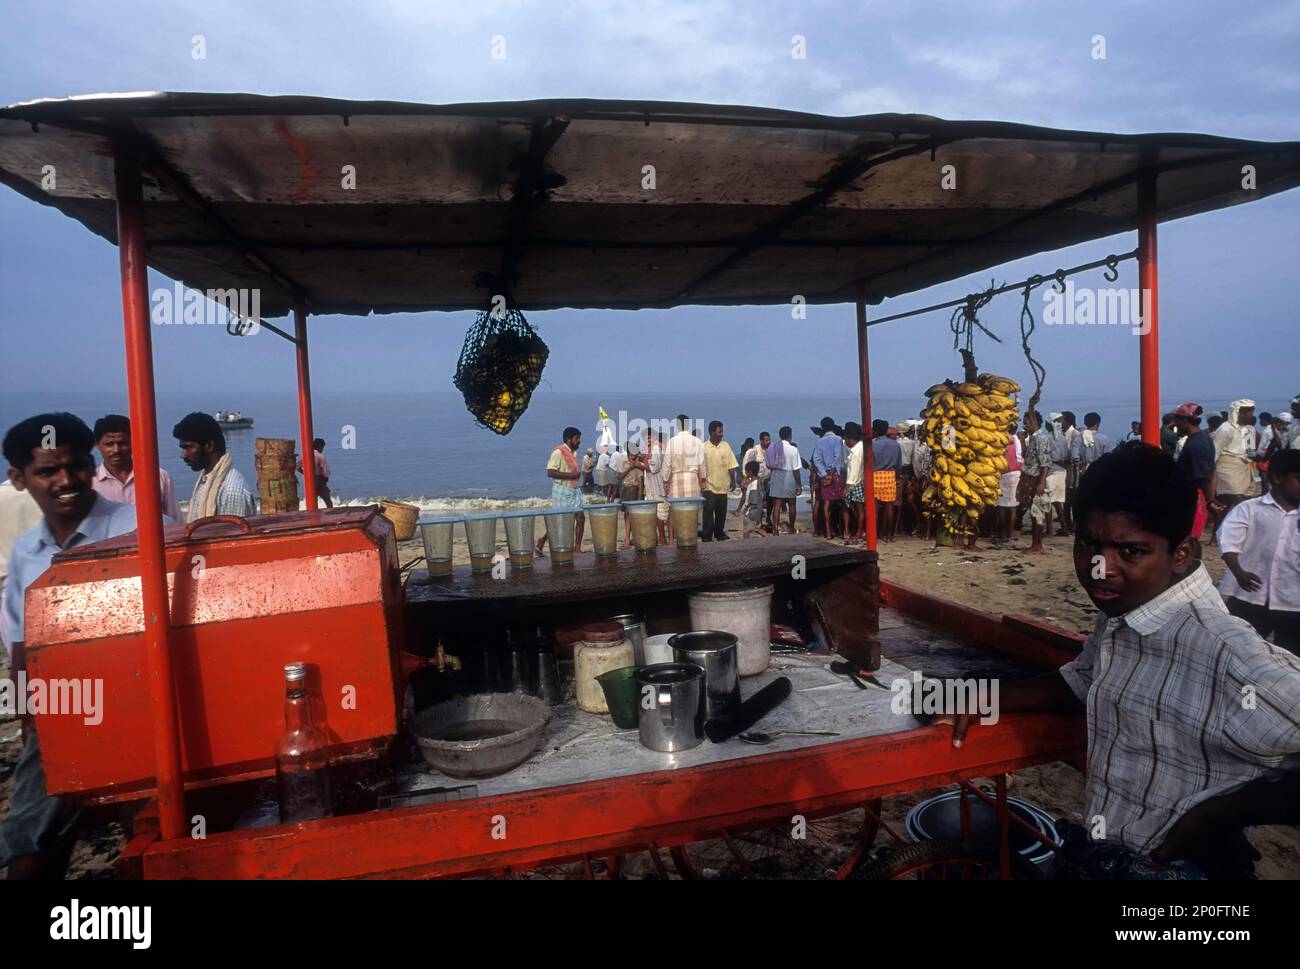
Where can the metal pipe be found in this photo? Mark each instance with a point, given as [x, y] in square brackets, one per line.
[1010, 287]
[1149, 335]
[148, 492]
[864, 387]
[304, 406]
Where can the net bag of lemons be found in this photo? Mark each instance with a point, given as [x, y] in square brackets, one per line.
[967, 426]
[500, 366]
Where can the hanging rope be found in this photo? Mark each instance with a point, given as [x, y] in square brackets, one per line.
[1027, 330]
[965, 319]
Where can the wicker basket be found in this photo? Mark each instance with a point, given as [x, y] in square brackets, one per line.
[403, 517]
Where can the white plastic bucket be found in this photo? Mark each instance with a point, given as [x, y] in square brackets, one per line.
[655, 649]
[746, 613]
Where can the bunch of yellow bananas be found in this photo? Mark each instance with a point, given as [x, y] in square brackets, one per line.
[967, 427]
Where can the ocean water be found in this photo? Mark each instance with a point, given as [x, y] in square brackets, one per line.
[426, 448]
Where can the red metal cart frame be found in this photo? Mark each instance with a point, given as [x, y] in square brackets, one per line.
[665, 808]
[588, 818]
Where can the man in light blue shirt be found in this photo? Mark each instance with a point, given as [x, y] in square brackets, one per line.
[828, 465]
[49, 456]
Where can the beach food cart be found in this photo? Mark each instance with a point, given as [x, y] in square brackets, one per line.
[327, 206]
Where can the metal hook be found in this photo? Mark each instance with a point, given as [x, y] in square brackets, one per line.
[1112, 269]
[238, 326]
[1060, 281]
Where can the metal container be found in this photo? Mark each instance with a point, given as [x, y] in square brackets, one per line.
[481, 736]
[634, 632]
[939, 818]
[717, 654]
[671, 707]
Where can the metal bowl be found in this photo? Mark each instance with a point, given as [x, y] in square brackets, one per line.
[939, 818]
[482, 735]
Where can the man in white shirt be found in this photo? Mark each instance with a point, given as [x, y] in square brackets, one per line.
[854, 463]
[759, 453]
[684, 462]
[1260, 543]
[654, 483]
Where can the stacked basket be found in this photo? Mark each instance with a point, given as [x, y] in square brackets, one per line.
[274, 459]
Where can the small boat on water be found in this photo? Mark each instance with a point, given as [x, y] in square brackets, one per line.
[232, 420]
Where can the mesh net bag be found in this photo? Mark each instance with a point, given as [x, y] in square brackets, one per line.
[500, 366]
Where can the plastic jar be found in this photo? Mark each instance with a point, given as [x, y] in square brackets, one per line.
[602, 649]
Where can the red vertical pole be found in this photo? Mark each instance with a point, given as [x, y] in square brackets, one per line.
[148, 492]
[304, 407]
[864, 386]
[1149, 283]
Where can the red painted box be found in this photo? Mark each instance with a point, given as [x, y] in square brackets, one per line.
[247, 597]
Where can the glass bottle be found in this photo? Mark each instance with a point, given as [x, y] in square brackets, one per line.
[301, 755]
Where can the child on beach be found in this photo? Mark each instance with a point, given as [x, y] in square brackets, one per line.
[1192, 717]
[750, 506]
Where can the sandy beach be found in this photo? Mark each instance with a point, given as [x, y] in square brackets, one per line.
[994, 580]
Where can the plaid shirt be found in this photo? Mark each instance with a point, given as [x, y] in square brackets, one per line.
[1185, 702]
[234, 498]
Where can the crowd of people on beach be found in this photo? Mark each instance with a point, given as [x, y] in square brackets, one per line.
[1045, 459]
[1228, 461]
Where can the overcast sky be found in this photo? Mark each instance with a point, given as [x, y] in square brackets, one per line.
[1230, 317]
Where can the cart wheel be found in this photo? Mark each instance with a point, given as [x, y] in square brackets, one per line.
[950, 859]
[811, 848]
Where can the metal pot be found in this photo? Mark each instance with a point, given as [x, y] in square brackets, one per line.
[671, 707]
[939, 818]
[717, 654]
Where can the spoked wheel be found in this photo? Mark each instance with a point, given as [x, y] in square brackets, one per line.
[951, 859]
[805, 847]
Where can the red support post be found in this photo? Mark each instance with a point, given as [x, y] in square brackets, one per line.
[304, 407]
[148, 491]
[864, 386]
[1149, 284]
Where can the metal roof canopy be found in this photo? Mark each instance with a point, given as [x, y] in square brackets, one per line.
[750, 205]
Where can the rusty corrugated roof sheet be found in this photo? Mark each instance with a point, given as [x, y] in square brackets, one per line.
[749, 205]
